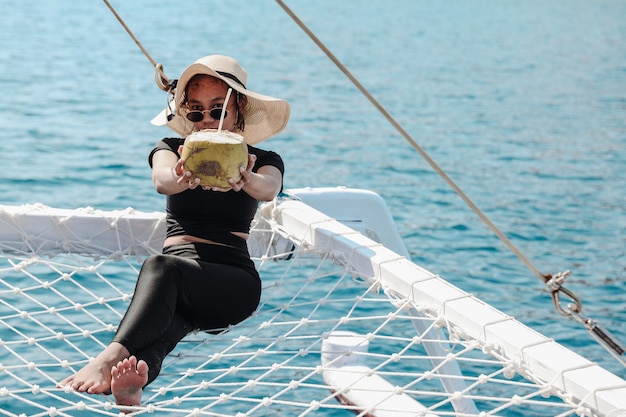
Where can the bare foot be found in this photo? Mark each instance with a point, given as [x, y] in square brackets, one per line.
[95, 377]
[128, 379]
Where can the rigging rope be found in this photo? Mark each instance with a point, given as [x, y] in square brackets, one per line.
[159, 75]
[554, 284]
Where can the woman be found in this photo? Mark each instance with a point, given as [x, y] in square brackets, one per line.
[204, 279]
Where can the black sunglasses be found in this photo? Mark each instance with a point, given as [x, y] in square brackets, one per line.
[196, 116]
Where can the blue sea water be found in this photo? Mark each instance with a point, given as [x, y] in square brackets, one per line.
[522, 104]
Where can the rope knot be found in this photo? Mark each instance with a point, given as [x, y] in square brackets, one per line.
[555, 282]
[161, 79]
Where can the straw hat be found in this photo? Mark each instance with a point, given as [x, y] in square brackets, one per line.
[264, 116]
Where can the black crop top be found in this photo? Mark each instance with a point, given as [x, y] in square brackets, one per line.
[203, 213]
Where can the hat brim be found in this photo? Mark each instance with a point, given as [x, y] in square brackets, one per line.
[264, 116]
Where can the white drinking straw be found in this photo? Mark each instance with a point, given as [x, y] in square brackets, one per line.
[219, 127]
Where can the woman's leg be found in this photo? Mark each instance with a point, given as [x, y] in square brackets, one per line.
[155, 353]
[175, 296]
[158, 291]
[148, 318]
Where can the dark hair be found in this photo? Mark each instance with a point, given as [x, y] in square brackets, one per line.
[240, 123]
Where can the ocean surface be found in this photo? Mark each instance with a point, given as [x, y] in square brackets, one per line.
[522, 104]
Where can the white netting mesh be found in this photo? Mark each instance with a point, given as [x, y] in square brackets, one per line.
[59, 309]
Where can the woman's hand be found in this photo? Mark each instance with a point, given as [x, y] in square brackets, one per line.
[246, 177]
[169, 175]
[184, 177]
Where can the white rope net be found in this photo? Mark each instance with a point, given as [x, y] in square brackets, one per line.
[325, 340]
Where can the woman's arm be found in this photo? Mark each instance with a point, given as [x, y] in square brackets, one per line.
[263, 185]
[168, 174]
[169, 177]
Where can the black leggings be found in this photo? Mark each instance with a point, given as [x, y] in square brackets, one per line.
[188, 287]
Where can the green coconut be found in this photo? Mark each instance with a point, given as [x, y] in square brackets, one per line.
[215, 157]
